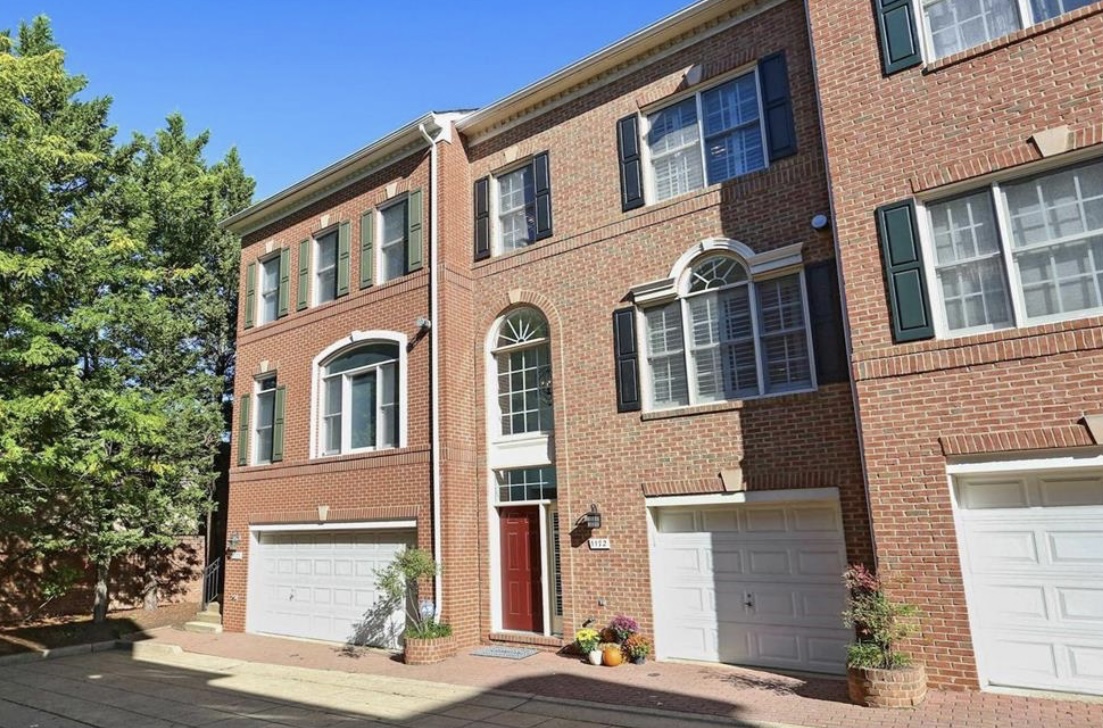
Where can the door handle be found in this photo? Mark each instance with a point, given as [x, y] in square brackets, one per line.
[748, 600]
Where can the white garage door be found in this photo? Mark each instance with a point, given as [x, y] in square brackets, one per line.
[322, 585]
[751, 584]
[1032, 552]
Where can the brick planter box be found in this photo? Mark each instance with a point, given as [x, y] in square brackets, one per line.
[427, 652]
[903, 687]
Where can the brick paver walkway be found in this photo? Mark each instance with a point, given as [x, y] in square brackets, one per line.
[694, 688]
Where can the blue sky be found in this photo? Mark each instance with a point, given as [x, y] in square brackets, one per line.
[298, 85]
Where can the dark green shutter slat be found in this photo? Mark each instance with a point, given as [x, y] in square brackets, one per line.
[897, 28]
[631, 164]
[627, 360]
[304, 276]
[277, 423]
[777, 107]
[541, 172]
[825, 311]
[243, 430]
[904, 275]
[250, 294]
[414, 243]
[285, 281]
[343, 259]
[482, 218]
[367, 248]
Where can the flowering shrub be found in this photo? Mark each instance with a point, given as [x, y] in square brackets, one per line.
[879, 622]
[587, 640]
[637, 646]
[622, 627]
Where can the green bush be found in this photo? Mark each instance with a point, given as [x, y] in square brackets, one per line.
[431, 629]
[400, 582]
[880, 623]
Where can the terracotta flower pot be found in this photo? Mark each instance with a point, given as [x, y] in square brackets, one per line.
[902, 687]
[612, 656]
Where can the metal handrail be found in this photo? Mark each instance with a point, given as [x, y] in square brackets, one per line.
[212, 582]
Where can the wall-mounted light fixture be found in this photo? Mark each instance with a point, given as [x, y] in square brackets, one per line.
[235, 542]
[592, 518]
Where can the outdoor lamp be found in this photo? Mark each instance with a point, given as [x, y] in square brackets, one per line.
[234, 542]
[593, 518]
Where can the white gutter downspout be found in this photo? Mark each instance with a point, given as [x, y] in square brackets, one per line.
[434, 368]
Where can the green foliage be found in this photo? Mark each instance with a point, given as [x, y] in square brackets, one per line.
[401, 582]
[116, 333]
[880, 623]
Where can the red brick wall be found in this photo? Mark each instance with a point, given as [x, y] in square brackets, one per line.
[887, 138]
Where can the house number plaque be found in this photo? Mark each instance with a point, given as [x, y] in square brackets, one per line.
[599, 544]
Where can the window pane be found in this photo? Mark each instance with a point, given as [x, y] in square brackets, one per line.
[1057, 238]
[516, 209]
[331, 416]
[266, 413]
[270, 290]
[393, 246]
[362, 410]
[956, 25]
[526, 484]
[367, 355]
[388, 406]
[1046, 9]
[733, 136]
[524, 390]
[665, 356]
[782, 331]
[325, 278]
[723, 345]
[673, 139]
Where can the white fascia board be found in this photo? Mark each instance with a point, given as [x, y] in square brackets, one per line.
[349, 526]
[979, 465]
[741, 497]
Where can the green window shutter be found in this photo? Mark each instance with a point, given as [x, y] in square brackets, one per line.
[343, 261]
[285, 281]
[904, 274]
[243, 430]
[367, 248]
[277, 424]
[414, 256]
[304, 276]
[250, 294]
[896, 24]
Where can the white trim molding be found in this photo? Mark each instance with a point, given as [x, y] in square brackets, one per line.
[735, 498]
[349, 526]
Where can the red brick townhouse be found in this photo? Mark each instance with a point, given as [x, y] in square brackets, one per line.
[965, 146]
[585, 343]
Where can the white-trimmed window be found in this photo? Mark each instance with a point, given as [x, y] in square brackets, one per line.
[526, 484]
[727, 336]
[1019, 253]
[264, 421]
[359, 399]
[523, 360]
[268, 302]
[712, 136]
[325, 268]
[392, 248]
[516, 207]
[951, 26]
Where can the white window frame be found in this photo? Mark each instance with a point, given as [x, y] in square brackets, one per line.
[254, 426]
[760, 267]
[316, 269]
[649, 191]
[493, 405]
[380, 272]
[356, 338]
[926, 42]
[261, 265]
[994, 189]
[496, 247]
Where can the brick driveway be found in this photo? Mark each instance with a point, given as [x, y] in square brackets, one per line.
[719, 691]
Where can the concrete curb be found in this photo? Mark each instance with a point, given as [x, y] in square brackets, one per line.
[55, 652]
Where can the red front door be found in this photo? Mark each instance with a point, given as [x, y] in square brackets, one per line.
[523, 604]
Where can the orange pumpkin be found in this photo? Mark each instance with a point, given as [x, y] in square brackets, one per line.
[612, 655]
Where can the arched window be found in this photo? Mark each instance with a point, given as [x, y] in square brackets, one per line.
[359, 399]
[523, 360]
[728, 336]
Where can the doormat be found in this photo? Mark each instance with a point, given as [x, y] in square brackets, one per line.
[506, 653]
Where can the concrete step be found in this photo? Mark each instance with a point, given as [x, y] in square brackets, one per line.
[208, 617]
[214, 607]
[203, 628]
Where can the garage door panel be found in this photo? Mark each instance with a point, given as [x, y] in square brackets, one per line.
[761, 593]
[1033, 565]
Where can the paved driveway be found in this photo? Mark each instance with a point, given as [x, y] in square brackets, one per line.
[161, 688]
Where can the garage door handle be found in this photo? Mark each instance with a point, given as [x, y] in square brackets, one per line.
[748, 601]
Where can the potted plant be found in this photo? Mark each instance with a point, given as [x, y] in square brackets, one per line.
[637, 647]
[426, 640]
[588, 641]
[879, 675]
[623, 627]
